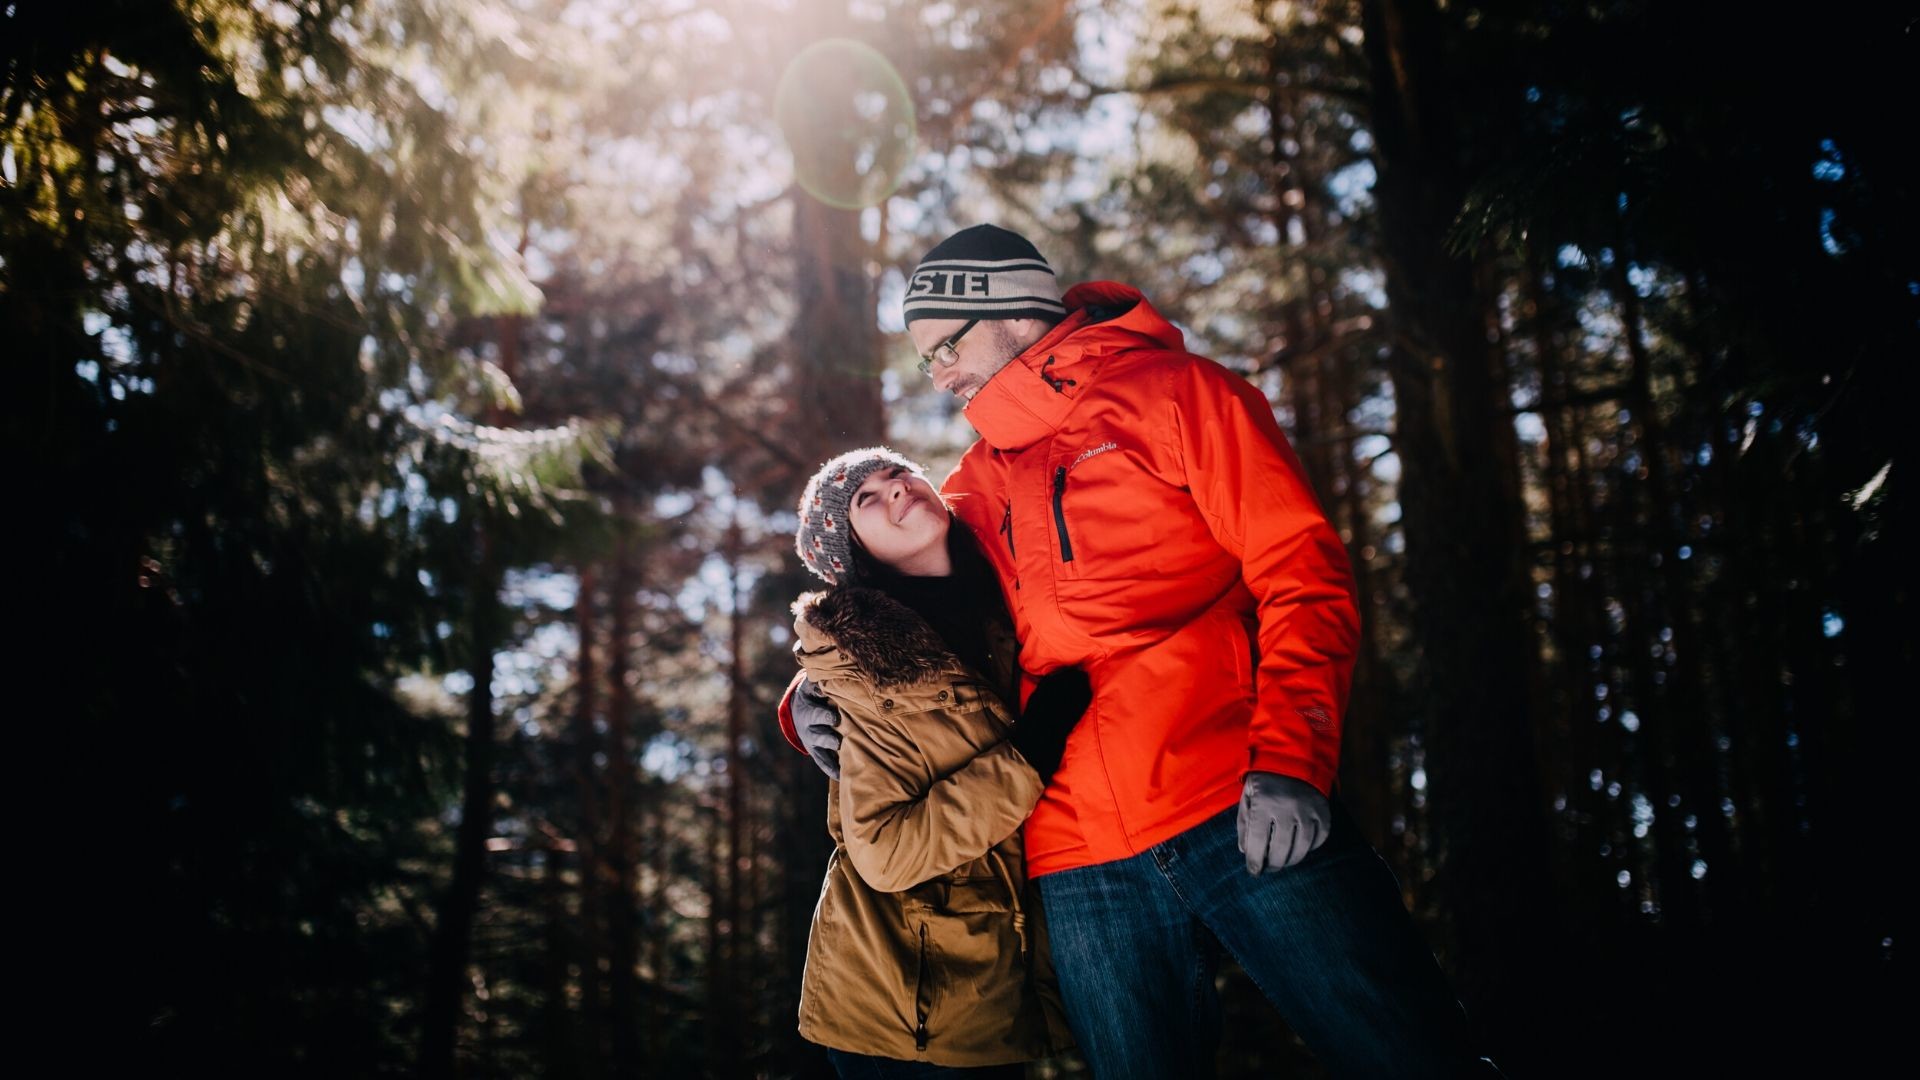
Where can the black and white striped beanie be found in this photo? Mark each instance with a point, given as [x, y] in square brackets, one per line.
[984, 272]
[825, 538]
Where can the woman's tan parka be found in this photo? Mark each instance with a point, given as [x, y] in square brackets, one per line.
[926, 942]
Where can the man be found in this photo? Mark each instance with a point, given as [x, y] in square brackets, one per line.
[1151, 524]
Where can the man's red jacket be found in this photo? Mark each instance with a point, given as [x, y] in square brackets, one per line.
[1150, 523]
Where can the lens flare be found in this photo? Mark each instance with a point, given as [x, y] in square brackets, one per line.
[848, 120]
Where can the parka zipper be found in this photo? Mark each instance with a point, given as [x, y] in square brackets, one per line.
[1006, 526]
[1060, 511]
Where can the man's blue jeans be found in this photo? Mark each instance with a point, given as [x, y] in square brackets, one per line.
[1328, 941]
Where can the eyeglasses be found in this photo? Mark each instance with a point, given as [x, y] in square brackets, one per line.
[945, 352]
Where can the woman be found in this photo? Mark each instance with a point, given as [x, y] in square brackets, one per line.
[926, 956]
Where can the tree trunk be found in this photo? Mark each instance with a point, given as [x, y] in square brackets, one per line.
[1373, 712]
[1575, 627]
[447, 980]
[1675, 713]
[727, 962]
[622, 896]
[836, 353]
[453, 931]
[717, 1050]
[1463, 565]
[560, 1042]
[591, 945]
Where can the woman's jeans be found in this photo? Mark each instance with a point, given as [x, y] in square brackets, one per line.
[1328, 940]
[867, 1067]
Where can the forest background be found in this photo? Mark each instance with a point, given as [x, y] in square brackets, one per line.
[413, 396]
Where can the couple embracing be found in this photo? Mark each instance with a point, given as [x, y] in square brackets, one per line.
[1081, 709]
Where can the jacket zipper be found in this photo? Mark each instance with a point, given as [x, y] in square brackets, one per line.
[1006, 526]
[1060, 511]
[920, 995]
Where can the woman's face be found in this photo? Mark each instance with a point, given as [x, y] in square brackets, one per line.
[900, 521]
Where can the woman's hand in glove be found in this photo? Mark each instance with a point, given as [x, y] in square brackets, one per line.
[1053, 708]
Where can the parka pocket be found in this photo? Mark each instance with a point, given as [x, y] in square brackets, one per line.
[1243, 638]
[986, 894]
[922, 994]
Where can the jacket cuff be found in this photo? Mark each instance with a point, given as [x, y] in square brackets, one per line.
[785, 712]
[1287, 764]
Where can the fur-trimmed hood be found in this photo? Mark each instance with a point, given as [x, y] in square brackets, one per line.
[888, 640]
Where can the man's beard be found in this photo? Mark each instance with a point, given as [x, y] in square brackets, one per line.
[1005, 348]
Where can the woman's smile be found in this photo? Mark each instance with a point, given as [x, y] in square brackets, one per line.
[901, 521]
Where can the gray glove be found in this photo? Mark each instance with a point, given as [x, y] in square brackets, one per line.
[1282, 819]
[816, 721]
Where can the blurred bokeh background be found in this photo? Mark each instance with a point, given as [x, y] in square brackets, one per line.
[413, 396]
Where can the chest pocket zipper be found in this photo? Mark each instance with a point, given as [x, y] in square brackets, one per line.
[1006, 526]
[1060, 511]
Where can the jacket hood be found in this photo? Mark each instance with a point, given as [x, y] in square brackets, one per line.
[1030, 397]
[885, 637]
[1118, 317]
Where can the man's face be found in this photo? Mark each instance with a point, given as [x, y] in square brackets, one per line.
[984, 350]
